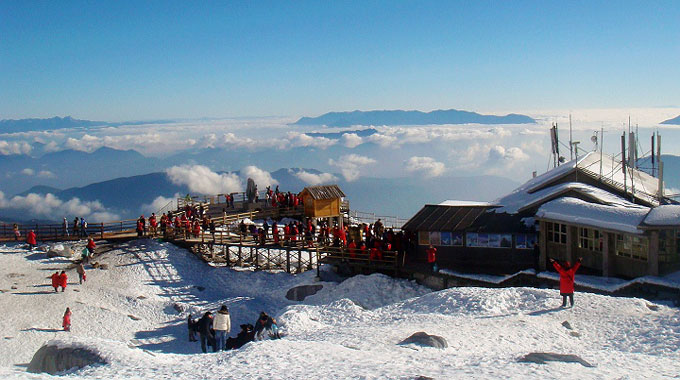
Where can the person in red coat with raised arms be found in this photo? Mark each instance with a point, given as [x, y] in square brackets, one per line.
[567, 273]
[432, 257]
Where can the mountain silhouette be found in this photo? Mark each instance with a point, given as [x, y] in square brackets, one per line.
[400, 117]
[673, 121]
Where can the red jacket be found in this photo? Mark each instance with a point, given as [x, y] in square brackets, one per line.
[30, 239]
[91, 245]
[67, 320]
[63, 280]
[566, 277]
[55, 280]
[431, 255]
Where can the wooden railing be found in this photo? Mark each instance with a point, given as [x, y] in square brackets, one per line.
[56, 231]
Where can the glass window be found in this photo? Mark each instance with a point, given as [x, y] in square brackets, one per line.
[590, 239]
[633, 246]
[556, 233]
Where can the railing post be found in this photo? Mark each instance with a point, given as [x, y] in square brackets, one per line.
[287, 260]
[102, 231]
[299, 262]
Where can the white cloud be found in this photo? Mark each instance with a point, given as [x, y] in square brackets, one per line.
[427, 165]
[87, 143]
[50, 206]
[14, 147]
[498, 153]
[382, 139]
[28, 171]
[297, 139]
[45, 174]
[315, 179]
[350, 165]
[351, 140]
[201, 180]
[158, 203]
[261, 177]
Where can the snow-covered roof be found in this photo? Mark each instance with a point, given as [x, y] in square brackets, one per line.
[607, 170]
[575, 211]
[465, 203]
[519, 200]
[664, 215]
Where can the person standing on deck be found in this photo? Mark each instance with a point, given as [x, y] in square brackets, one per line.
[76, 230]
[83, 227]
[567, 273]
[432, 257]
[64, 228]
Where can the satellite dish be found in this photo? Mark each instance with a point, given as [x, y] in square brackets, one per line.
[594, 139]
[561, 159]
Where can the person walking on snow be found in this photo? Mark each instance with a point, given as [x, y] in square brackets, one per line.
[222, 326]
[63, 280]
[55, 281]
[30, 239]
[81, 273]
[567, 273]
[66, 322]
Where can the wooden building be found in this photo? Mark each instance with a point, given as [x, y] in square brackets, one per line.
[322, 201]
[583, 208]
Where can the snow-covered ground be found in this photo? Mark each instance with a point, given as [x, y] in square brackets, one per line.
[347, 330]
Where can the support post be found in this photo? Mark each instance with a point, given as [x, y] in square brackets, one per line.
[287, 260]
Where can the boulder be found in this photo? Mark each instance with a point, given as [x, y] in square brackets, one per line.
[58, 250]
[543, 357]
[424, 339]
[54, 359]
[299, 293]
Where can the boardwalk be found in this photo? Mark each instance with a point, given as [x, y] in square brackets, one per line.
[227, 246]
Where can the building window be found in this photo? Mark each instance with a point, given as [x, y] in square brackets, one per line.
[633, 246]
[525, 241]
[590, 239]
[556, 232]
[669, 247]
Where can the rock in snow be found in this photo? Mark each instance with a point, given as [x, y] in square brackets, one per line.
[54, 358]
[544, 357]
[299, 293]
[424, 339]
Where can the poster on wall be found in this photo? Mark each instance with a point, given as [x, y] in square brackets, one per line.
[494, 241]
[446, 238]
[423, 238]
[471, 239]
[482, 240]
[457, 239]
[435, 238]
[506, 241]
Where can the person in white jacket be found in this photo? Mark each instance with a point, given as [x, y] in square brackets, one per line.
[222, 326]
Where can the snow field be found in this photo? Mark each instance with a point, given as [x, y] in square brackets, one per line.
[346, 330]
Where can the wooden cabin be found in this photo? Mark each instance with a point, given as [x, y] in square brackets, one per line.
[322, 201]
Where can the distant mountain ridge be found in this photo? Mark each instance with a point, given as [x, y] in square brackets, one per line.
[673, 121]
[26, 125]
[400, 117]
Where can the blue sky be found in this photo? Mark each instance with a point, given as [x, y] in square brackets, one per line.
[123, 60]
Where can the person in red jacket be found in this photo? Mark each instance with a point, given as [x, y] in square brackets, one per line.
[63, 280]
[432, 257]
[567, 273]
[55, 281]
[30, 239]
[352, 247]
[66, 323]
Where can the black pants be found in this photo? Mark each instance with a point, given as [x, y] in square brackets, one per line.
[564, 299]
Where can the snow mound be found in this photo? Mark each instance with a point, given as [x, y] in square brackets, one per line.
[473, 302]
[58, 356]
[371, 292]
[312, 317]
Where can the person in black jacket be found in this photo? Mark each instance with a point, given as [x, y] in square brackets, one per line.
[205, 332]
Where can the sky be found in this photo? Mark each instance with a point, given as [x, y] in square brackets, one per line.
[131, 60]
